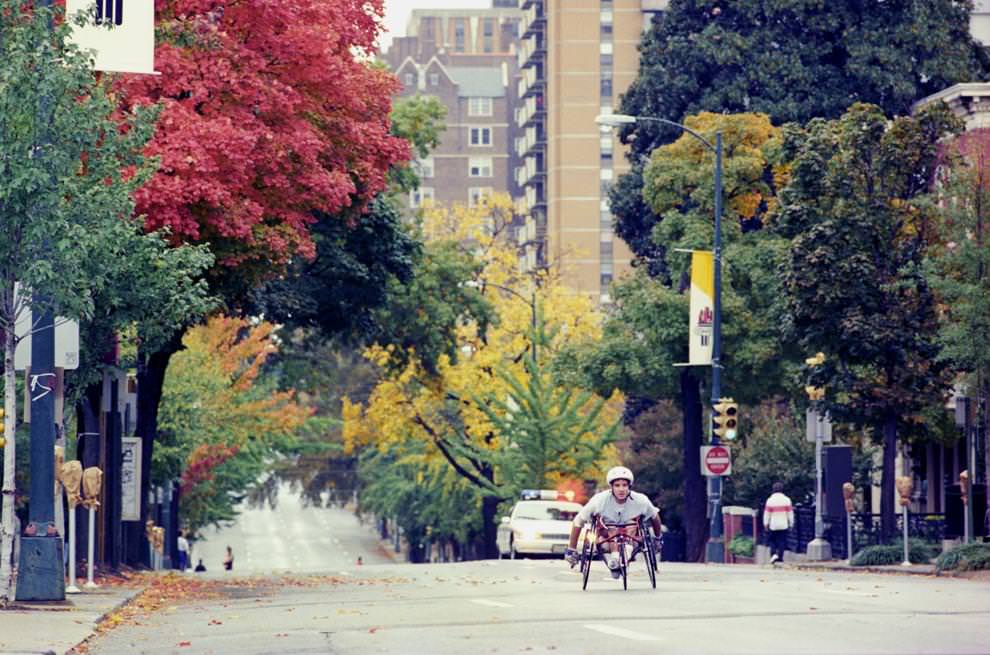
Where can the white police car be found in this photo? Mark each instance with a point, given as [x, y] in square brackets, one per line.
[540, 524]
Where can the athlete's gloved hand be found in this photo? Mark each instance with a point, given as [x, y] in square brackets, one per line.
[657, 544]
[571, 557]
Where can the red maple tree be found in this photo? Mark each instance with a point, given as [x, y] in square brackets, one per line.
[271, 111]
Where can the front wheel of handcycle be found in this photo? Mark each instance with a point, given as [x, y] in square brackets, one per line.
[587, 552]
[651, 564]
[624, 566]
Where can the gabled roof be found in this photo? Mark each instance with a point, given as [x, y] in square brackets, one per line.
[478, 82]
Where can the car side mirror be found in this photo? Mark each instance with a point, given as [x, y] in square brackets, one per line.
[505, 520]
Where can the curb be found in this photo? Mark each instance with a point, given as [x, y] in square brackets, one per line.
[96, 623]
[863, 569]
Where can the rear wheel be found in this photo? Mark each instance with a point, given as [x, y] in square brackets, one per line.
[651, 564]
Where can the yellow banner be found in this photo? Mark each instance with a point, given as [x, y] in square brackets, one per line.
[702, 308]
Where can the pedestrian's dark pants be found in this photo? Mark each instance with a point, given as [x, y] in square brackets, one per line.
[778, 542]
[183, 560]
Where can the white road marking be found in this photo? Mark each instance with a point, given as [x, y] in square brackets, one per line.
[490, 603]
[619, 632]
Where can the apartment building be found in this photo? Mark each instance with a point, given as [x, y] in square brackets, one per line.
[467, 59]
[576, 58]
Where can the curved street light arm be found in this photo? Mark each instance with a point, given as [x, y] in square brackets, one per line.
[683, 127]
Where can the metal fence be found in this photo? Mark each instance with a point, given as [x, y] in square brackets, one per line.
[865, 529]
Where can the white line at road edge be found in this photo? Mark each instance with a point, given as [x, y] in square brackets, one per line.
[490, 603]
[619, 632]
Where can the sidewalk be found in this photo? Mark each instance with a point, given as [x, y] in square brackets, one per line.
[56, 627]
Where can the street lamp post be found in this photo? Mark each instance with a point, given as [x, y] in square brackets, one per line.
[715, 549]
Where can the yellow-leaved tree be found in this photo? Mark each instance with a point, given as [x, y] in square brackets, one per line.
[490, 419]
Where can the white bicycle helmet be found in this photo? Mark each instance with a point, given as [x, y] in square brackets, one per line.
[619, 473]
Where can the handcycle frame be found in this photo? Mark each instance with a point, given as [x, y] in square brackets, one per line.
[618, 535]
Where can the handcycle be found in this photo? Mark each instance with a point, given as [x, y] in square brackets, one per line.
[618, 536]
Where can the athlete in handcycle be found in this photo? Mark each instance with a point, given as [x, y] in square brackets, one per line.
[619, 518]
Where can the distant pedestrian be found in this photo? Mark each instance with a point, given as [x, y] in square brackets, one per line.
[228, 560]
[183, 547]
[778, 518]
[200, 567]
[360, 560]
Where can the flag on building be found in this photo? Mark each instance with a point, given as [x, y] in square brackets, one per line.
[702, 308]
[121, 32]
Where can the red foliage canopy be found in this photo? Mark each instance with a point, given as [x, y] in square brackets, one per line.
[271, 111]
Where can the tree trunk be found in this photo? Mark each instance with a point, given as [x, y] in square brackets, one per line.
[489, 512]
[88, 426]
[7, 529]
[150, 383]
[695, 502]
[888, 526]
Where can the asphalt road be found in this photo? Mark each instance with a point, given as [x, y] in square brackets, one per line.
[290, 538]
[524, 606]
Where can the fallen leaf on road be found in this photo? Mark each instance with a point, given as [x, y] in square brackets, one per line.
[183, 644]
[215, 622]
[373, 630]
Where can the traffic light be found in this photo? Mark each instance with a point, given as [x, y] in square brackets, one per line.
[725, 418]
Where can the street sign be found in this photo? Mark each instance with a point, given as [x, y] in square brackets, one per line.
[715, 461]
[818, 424]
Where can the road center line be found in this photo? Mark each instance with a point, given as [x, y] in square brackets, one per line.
[490, 603]
[619, 632]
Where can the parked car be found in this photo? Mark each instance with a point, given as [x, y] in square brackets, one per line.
[540, 524]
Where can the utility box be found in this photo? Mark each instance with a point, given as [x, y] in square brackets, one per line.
[739, 522]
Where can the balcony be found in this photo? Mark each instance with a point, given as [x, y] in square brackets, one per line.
[532, 51]
[534, 20]
[531, 81]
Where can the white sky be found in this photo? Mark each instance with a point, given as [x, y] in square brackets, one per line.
[397, 13]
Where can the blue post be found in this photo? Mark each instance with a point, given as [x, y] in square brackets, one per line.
[41, 575]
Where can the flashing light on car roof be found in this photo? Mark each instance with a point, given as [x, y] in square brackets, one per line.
[546, 494]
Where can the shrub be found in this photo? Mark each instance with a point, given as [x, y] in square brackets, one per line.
[921, 552]
[741, 546]
[967, 557]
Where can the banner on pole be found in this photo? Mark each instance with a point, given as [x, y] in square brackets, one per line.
[702, 308]
[121, 32]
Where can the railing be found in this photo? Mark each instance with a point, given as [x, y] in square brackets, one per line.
[865, 529]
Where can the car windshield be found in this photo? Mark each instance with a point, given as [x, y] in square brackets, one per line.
[547, 512]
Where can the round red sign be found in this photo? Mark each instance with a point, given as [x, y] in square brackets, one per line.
[717, 460]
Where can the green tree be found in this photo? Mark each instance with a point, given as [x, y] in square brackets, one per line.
[793, 60]
[855, 287]
[420, 121]
[958, 265]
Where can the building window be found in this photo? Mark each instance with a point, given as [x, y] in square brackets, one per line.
[605, 16]
[605, 143]
[459, 35]
[434, 79]
[410, 79]
[479, 106]
[605, 236]
[605, 160]
[605, 267]
[606, 281]
[606, 86]
[477, 195]
[481, 136]
[605, 219]
[605, 32]
[424, 167]
[605, 174]
[488, 40]
[605, 48]
[605, 61]
[480, 167]
[605, 250]
[417, 196]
